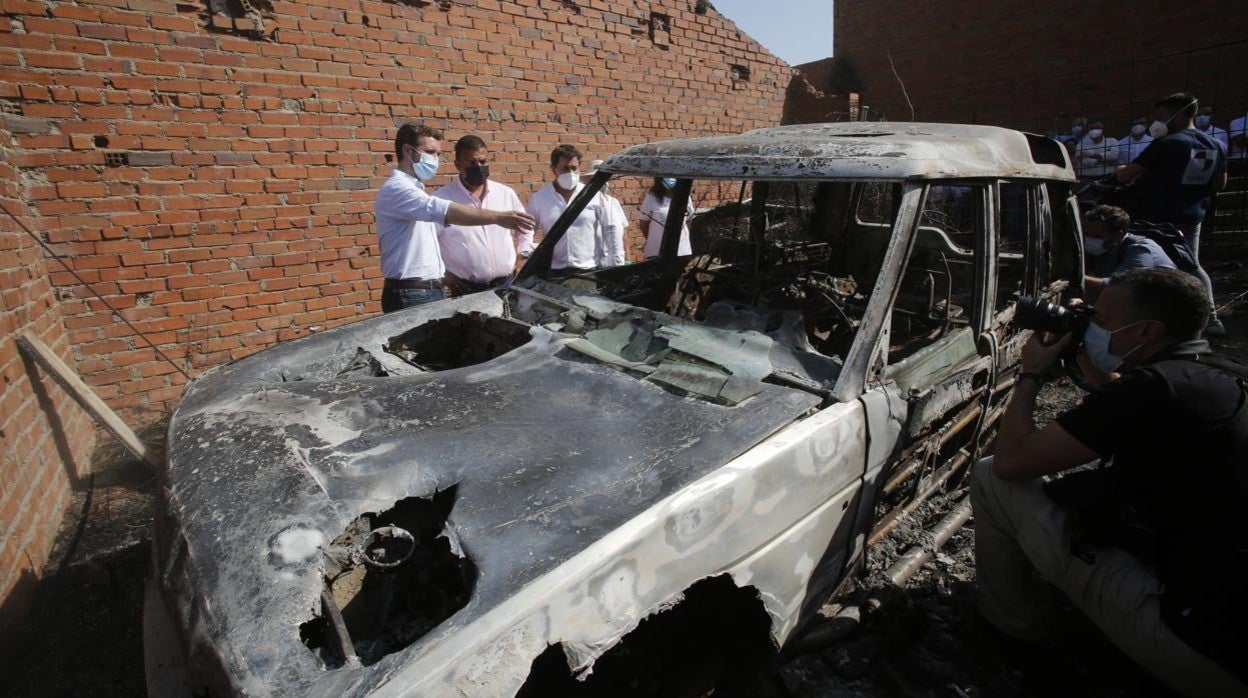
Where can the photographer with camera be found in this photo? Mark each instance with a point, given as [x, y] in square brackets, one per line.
[1152, 548]
[1113, 250]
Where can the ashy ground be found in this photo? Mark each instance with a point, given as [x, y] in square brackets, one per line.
[84, 636]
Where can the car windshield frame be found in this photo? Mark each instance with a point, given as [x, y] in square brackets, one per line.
[905, 219]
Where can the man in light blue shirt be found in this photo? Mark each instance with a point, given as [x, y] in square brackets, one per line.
[1111, 249]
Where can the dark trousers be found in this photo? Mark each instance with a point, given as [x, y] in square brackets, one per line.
[393, 299]
[456, 286]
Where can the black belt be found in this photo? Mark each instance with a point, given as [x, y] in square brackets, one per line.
[413, 283]
[462, 287]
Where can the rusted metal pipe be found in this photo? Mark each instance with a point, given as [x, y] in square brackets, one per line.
[943, 437]
[892, 518]
[913, 559]
[847, 619]
[336, 628]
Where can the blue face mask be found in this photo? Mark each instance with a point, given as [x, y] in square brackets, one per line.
[1203, 121]
[1096, 341]
[669, 182]
[1076, 130]
[426, 167]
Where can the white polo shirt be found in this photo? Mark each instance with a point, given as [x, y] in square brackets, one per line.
[1129, 149]
[609, 250]
[1107, 149]
[655, 212]
[406, 230]
[1239, 127]
[479, 253]
[577, 246]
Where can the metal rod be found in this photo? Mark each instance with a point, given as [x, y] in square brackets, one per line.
[848, 618]
[946, 435]
[913, 559]
[892, 518]
[336, 628]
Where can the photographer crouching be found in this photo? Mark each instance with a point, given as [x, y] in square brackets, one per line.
[1152, 548]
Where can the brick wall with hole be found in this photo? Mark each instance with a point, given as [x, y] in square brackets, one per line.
[1022, 64]
[210, 165]
[44, 437]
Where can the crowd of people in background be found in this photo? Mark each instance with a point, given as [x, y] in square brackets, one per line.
[1170, 165]
[1096, 154]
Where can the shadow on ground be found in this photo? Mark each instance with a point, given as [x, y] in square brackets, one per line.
[83, 635]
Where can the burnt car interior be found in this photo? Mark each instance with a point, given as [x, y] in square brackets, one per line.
[787, 257]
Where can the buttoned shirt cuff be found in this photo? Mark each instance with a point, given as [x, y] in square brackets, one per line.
[440, 207]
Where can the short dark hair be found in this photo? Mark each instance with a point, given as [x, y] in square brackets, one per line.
[410, 133]
[563, 152]
[468, 144]
[1182, 104]
[1176, 298]
[1116, 218]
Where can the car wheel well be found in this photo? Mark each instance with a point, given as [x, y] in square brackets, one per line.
[717, 637]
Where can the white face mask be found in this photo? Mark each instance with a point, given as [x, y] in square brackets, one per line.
[568, 180]
[1158, 130]
[1095, 133]
[1096, 341]
[1138, 130]
[1093, 246]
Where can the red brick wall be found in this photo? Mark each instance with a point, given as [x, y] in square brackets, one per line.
[44, 437]
[244, 215]
[1019, 64]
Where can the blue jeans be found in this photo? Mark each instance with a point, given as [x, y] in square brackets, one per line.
[393, 299]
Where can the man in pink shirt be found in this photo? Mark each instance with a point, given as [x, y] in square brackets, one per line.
[478, 257]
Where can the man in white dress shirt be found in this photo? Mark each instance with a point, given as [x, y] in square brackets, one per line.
[609, 247]
[1097, 153]
[405, 216]
[575, 251]
[1134, 143]
[477, 257]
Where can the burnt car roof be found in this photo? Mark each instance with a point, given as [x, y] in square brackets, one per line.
[858, 151]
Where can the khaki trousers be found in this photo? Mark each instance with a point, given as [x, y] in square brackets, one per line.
[1018, 529]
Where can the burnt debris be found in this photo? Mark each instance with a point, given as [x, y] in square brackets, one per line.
[390, 578]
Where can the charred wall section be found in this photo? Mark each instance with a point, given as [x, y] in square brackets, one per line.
[213, 175]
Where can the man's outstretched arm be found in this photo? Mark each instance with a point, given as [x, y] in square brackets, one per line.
[459, 214]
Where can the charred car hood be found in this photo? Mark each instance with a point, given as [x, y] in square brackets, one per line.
[273, 456]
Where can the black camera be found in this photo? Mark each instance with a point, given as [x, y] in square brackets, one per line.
[1042, 316]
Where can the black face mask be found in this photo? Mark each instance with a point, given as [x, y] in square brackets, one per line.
[475, 174]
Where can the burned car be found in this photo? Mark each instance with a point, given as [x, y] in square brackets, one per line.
[507, 492]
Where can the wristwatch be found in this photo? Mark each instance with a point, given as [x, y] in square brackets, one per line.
[1032, 375]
